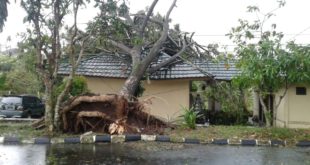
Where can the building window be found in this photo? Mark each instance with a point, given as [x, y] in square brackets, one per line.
[301, 91]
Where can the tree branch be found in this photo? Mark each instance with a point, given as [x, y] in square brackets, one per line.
[153, 20]
[128, 19]
[173, 41]
[155, 49]
[197, 67]
[121, 46]
[265, 109]
[171, 59]
[146, 19]
[80, 54]
[281, 98]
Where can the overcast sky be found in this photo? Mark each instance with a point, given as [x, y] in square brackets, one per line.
[209, 19]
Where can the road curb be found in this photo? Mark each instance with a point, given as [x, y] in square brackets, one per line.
[42, 140]
[220, 141]
[146, 138]
[131, 138]
[118, 138]
[11, 140]
[102, 138]
[162, 138]
[304, 143]
[248, 142]
[191, 141]
[277, 143]
[72, 140]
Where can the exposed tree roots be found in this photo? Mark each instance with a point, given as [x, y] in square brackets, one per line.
[111, 114]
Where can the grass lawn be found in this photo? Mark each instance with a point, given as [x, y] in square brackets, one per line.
[240, 132]
[24, 130]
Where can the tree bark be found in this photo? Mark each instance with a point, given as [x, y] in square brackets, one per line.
[256, 100]
[243, 100]
[131, 84]
[49, 108]
[266, 111]
[74, 64]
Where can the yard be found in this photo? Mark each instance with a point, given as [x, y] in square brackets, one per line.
[235, 133]
[205, 134]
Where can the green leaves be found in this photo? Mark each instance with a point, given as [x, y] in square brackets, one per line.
[189, 117]
[266, 62]
[3, 13]
[252, 9]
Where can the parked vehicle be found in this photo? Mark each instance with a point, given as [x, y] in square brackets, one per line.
[21, 106]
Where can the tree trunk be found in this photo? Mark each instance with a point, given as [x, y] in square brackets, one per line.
[131, 84]
[256, 99]
[243, 100]
[59, 101]
[49, 109]
[266, 111]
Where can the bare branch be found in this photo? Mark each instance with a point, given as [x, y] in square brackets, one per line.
[146, 19]
[105, 50]
[190, 38]
[265, 109]
[120, 45]
[153, 20]
[173, 41]
[128, 19]
[155, 49]
[80, 54]
[171, 59]
[201, 47]
[197, 67]
[280, 99]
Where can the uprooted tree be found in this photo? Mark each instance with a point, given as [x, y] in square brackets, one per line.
[142, 36]
[108, 113]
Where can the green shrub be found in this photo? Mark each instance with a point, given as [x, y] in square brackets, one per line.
[194, 87]
[189, 117]
[78, 87]
[227, 117]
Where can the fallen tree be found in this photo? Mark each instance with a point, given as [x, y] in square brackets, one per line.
[110, 113]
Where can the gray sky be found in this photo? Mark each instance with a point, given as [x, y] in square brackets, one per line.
[209, 19]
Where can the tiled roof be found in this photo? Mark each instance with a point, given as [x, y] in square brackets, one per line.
[118, 66]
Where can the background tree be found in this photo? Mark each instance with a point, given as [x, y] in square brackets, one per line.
[47, 20]
[267, 63]
[6, 65]
[3, 13]
[22, 78]
[18, 75]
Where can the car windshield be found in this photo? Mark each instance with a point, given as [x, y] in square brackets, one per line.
[11, 100]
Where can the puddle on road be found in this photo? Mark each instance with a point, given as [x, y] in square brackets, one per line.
[150, 153]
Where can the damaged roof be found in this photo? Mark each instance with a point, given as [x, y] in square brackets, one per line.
[119, 66]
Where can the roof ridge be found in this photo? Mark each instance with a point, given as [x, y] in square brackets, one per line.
[115, 66]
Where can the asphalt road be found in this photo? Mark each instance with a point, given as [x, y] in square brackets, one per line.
[145, 154]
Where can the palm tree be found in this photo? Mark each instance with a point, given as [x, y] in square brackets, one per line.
[3, 12]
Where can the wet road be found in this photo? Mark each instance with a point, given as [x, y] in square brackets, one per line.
[76, 154]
